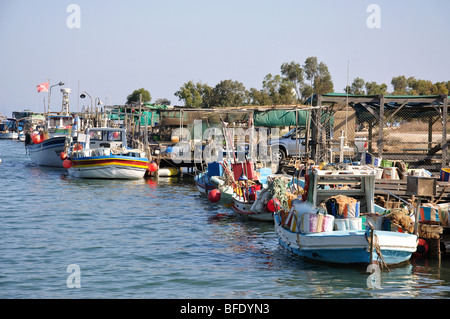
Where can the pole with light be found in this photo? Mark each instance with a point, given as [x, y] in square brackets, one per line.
[50, 93]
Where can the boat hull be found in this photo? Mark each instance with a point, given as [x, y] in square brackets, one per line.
[347, 247]
[109, 167]
[204, 184]
[241, 206]
[47, 153]
[9, 135]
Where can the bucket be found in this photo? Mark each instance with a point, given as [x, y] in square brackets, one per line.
[445, 174]
[379, 173]
[390, 173]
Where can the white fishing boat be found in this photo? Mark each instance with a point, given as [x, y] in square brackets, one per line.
[244, 195]
[309, 230]
[47, 153]
[103, 153]
[8, 129]
[45, 149]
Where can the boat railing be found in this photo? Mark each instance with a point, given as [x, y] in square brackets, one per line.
[246, 192]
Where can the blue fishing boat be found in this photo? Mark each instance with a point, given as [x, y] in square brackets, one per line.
[203, 182]
[214, 179]
[308, 230]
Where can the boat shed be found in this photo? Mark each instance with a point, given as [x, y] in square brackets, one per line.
[410, 128]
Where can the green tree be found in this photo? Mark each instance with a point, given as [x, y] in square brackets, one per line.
[311, 68]
[294, 73]
[259, 97]
[228, 93]
[134, 97]
[372, 88]
[400, 84]
[193, 94]
[162, 101]
[322, 81]
[440, 88]
[279, 89]
[319, 75]
[357, 87]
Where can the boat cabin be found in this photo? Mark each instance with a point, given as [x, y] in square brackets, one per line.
[59, 123]
[105, 138]
[356, 182]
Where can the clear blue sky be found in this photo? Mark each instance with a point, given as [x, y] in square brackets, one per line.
[159, 45]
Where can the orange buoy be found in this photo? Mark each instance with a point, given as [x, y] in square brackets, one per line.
[422, 248]
[153, 167]
[67, 163]
[36, 138]
[214, 196]
[77, 147]
[63, 155]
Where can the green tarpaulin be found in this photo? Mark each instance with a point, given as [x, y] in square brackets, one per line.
[275, 118]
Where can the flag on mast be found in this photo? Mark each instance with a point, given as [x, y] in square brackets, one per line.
[43, 87]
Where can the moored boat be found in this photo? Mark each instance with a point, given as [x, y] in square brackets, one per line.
[214, 179]
[103, 153]
[245, 188]
[47, 152]
[45, 147]
[342, 237]
[8, 129]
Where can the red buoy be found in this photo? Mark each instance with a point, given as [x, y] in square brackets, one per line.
[272, 205]
[214, 196]
[63, 155]
[153, 167]
[67, 163]
[36, 138]
[422, 248]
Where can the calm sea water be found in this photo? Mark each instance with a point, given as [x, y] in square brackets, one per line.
[159, 238]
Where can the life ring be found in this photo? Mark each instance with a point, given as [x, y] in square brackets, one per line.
[77, 147]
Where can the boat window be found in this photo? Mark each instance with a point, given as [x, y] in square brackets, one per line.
[114, 136]
[95, 135]
[54, 122]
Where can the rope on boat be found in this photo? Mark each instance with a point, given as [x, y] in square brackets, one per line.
[374, 245]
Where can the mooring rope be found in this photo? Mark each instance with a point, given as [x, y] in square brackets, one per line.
[376, 246]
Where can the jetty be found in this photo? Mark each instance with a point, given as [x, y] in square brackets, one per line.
[400, 136]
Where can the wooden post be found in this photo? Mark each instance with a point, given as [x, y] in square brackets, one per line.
[444, 132]
[430, 132]
[380, 141]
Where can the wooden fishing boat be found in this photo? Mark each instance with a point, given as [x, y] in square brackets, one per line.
[245, 193]
[213, 179]
[307, 230]
[103, 153]
[204, 184]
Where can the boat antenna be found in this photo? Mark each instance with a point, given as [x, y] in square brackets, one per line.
[346, 106]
